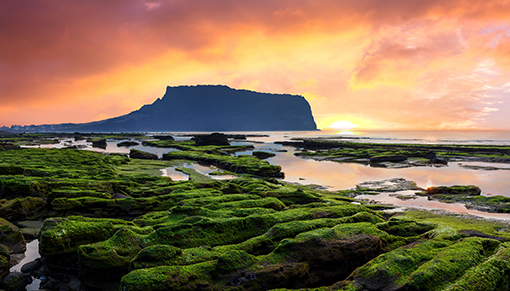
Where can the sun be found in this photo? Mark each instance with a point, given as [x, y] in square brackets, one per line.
[342, 125]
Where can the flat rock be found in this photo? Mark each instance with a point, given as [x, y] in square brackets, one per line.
[389, 185]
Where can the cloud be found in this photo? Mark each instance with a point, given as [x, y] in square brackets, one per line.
[396, 63]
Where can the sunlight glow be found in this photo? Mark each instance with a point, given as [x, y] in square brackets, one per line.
[343, 125]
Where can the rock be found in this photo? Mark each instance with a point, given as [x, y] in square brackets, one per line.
[99, 143]
[5, 260]
[15, 281]
[389, 185]
[211, 139]
[439, 161]
[31, 266]
[460, 190]
[11, 237]
[120, 196]
[164, 137]
[22, 208]
[154, 256]
[393, 159]
[263, 155]
[237, 136]
[127, 144]
[210, 108]
[137, 154]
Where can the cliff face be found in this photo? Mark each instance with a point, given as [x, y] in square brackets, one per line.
[211, 108]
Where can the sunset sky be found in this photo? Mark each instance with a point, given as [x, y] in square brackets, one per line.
[377, 64]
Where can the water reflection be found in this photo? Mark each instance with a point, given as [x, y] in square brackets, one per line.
[423, 203]
[31, 254]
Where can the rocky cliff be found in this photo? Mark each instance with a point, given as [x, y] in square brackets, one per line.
[211, 108]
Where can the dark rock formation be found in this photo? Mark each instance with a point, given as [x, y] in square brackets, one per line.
[263, 155]
[136, 154]
[393, 159]
[461, 190]
[99, 143]
[164, 137]
[15, 281]
[211, 139]
[210, 108]
[127, 144]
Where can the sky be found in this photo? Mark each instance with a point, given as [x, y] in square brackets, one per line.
[369, 64]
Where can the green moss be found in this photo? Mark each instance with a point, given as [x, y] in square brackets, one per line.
[493, 274]
[168, 278]
[458, 222]
[405, 227]
[113, 254]
[234, 260]
[153, 256]
[65, 235]
[11, 237]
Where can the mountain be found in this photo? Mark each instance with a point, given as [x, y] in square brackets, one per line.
[209, 108]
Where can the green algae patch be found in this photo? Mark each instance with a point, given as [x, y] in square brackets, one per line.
[193, 277]
[233, 261]
[452, 225]
[153, 256]
[22, 208]
[493, 274]
[65, 235]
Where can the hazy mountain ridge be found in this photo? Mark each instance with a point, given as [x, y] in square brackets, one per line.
[210, 108]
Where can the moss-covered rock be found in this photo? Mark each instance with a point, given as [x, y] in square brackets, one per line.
[11, 237]
[63, 236]
[138, 154]
[457, 189]
[153, 256]
[5, 260]
[22, 208]
[15, 281]
[102, 264]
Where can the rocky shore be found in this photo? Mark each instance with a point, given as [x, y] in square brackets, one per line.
[111, 222]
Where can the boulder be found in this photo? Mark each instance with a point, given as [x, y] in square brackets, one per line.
[127, 144]
[15, 281]
[99, 143]
[5, 260]
[22, 208]
[11, 237]
[137, 154]
[31, 266]
[164, 137]
[211, 139]
[263, 155]
[393, 159]
[455, 190]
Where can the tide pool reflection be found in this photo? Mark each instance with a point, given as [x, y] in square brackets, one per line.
[339, 176]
